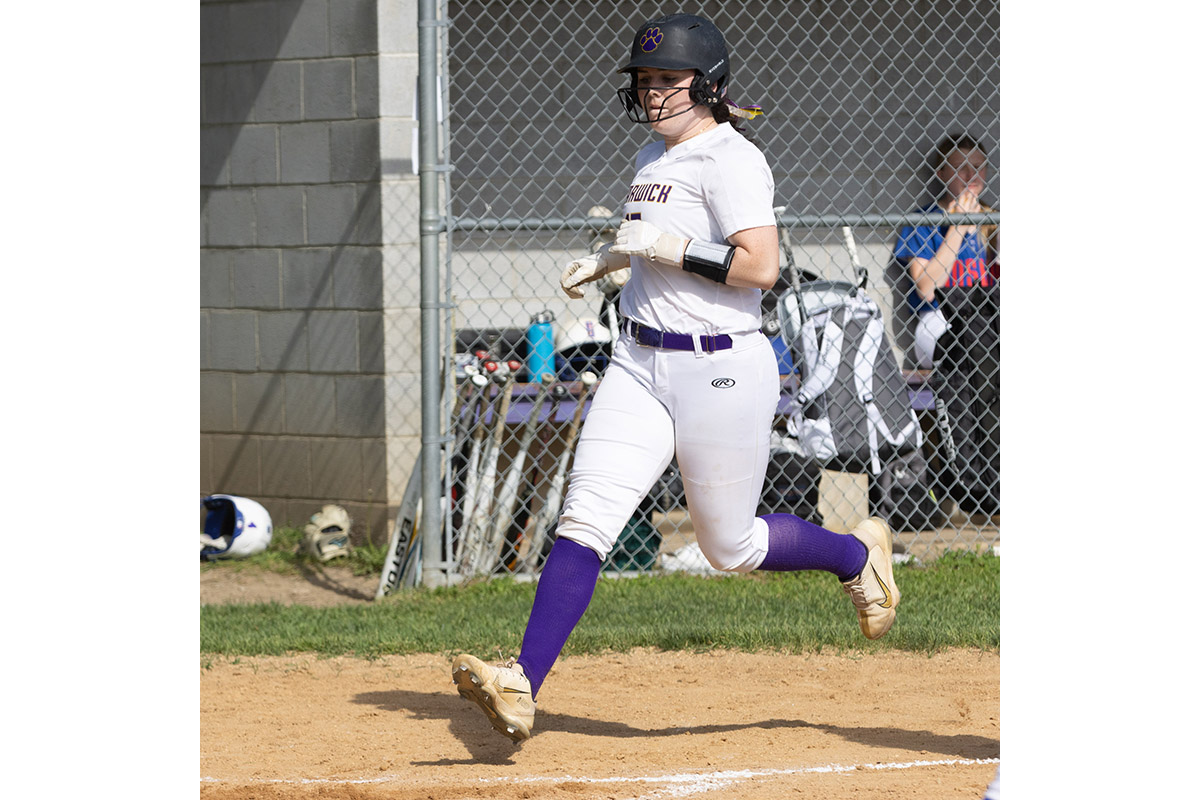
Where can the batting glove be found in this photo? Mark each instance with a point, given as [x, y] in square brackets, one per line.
[589, 268]
[638, 238]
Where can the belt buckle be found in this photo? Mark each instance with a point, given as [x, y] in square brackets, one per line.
[638, 330]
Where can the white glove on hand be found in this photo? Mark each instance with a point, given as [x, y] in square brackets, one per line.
[589, 268]
[638, 238]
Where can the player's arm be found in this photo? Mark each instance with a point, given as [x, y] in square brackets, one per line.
[755, 263]
[930, 273]
[750, 257]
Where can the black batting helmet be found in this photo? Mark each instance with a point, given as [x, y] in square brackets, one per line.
[678, 42]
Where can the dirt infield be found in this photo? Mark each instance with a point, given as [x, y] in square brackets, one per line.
[638, 725]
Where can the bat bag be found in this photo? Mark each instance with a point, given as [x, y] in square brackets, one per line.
[851, 409]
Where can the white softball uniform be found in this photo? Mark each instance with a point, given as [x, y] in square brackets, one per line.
[712, 410]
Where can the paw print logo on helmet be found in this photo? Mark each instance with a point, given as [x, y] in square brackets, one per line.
[651, 39]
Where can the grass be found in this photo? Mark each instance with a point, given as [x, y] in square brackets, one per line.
[286, 555]
[951, 602]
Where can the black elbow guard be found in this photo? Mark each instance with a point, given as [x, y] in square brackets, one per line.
[708, 260]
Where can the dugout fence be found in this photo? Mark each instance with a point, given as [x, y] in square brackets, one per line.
[527, 155]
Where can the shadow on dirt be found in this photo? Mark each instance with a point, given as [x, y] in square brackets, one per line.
[323, 580]
[469, 725]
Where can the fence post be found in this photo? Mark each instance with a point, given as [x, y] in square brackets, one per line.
[433, 572]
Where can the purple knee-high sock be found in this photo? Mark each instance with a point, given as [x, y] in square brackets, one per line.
[563, 593]
[795, 544]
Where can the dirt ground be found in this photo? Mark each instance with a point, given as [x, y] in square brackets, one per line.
[628, 726]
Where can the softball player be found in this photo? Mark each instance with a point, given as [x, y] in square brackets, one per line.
[691, 375]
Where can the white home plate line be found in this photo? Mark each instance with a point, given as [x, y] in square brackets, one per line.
[679, 785]
[688, 784]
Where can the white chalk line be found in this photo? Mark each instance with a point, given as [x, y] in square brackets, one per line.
[678, 785]
[688, 784]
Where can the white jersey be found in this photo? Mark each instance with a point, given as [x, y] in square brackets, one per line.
[706, 188]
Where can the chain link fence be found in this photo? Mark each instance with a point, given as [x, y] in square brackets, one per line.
[857, 97]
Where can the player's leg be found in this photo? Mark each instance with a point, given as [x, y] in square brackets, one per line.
[625, 445]
[723, 466]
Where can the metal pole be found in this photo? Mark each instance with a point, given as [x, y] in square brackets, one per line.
[468, 224]
[432, 572]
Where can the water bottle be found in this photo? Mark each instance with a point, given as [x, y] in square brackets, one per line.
[539, 354]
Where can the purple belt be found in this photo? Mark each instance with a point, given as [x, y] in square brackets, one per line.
[652, 337]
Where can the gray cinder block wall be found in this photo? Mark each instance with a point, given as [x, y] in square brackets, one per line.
[309, 267]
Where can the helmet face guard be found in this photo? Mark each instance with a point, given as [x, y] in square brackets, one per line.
[677, 42]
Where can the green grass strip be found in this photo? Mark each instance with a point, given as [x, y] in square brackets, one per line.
[949, 603]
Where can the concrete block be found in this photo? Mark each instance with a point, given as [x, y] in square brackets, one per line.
[253, 31]
[401, 277]
[304, 29]
[206, 470]
[329, 89]
[304, 153]
[397, 26]
[333, 341]
[366, 87]
[375, 469]
[216, 291]
[360, 403]
[371, 343]
[216, 145]
[283, 341]
[255, 278]
[402, 348]
[337, 470]
[296, 513]
[258, 402]
[281, 98]
[330, 213]
[397, 85]
[214, 33]
[310, 404]
[204, 347]
[353, 28]
[229, 218]
[358, 278]
[395, 148]
[232, 341]
[308, 278]
[368, 229]
[404, 399]
[234, 465]
[370, 521]
[254, 156]
[216, 402]
[286, 468]
[280, 215]
[355, 150]
[342, 214]
[403, 456]
[227, 93]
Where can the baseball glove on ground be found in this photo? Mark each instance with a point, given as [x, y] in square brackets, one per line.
[327, 535]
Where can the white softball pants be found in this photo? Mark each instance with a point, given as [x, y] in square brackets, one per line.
[713, 411]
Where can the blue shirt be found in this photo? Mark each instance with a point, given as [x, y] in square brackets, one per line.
[970, 266]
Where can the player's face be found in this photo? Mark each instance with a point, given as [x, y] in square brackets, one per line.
[963, 171]
[663, 93]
